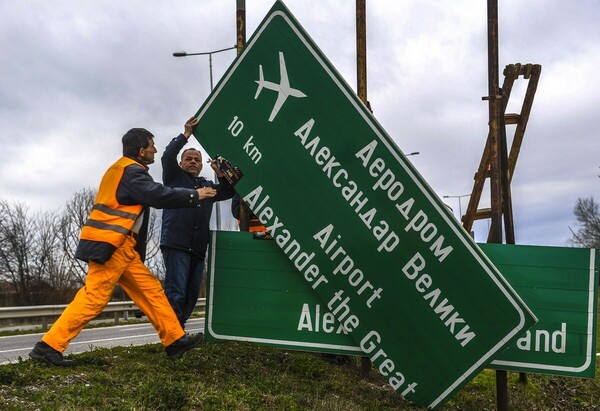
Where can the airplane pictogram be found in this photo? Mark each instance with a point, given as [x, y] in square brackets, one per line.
[283, 88]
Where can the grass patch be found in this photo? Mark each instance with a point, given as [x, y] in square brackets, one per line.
[239, 376]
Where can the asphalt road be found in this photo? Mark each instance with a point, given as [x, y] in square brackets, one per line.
[18, 346]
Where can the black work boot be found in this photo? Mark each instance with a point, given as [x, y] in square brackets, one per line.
[185, 343]
[44, 353]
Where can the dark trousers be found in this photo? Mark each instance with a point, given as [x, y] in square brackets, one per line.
[182, 281]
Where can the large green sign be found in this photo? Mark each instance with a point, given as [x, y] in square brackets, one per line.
[560, 286]
[255, 294]
[359, 223]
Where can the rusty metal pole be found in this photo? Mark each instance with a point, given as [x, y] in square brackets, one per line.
[494, 100]
[361, 91]
[361, 50]
[240, 17]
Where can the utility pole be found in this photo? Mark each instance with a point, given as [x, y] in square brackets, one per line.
[361, 91]
[240, 17]
[495, 103]
[361, 50]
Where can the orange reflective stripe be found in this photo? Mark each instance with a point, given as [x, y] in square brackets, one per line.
[109, 220]
[255, 226]
[103, 226]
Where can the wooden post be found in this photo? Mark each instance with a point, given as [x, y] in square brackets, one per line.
[240, 17]
[361, 51]
[361, 91]
[494, 100]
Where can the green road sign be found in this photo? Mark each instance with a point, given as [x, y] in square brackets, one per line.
[360, 224]
[560, 286]
[255, 294]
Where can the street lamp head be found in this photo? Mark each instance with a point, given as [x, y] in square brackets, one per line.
[414, 153]
[205, 53]
[459, 197]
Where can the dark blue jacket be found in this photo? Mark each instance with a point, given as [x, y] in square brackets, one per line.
[188, 229]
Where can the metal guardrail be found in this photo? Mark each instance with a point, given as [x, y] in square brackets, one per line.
[46, 312]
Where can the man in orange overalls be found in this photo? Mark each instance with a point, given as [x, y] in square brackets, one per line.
[113, 241]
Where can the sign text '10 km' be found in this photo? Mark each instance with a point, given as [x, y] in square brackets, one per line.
[235, 127]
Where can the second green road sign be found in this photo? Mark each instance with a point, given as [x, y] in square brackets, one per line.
[560, 285]
[254, 294]
[358, 222]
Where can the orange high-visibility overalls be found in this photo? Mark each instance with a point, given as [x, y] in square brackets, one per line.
[112, 222]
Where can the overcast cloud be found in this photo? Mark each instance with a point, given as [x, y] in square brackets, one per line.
[75, 75]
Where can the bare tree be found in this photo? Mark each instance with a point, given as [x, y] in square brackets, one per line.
[154, 259]
[15, 245]
[27, 250]
[37, 254]
[587, 231]
[72, 220]
[51, 267]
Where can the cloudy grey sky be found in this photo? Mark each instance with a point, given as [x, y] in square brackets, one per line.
[75, 75]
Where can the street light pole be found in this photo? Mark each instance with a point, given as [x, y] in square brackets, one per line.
[209, 54]
[459, 203]
[206, 53]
